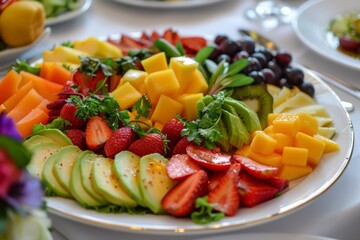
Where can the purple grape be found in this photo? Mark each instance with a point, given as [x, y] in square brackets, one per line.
[261, 57]
[220, 38]
[240, 55]
[270, 76]
[229, 47]
[295, 76]
[247, 44]
[275, 68]
[253, 65]
[267, 52]
[308, 88]
[283, 58]
[258, 77]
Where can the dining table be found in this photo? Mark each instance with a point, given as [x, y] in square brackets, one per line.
[333, 214]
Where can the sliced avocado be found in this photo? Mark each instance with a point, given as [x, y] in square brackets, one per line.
[50, 180]
[126, 168]
[56, 135]
[36, 139]
[238, 134]
[107, 183]
[154, 181]
[76, 187]
[41, 153]
[64, 164]
[224, 141]
[86, 169]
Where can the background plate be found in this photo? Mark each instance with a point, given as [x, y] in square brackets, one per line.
[310, 25]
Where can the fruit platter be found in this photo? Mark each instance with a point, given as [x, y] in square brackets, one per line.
[163, 133]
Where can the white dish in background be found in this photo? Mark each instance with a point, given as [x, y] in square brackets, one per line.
[267, 236]
[168, 3]
[300, 192]
[82, 6]
[310, 24]
[11, 54]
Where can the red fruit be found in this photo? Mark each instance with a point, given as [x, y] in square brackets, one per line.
[209, 159]
[120, 140]
[215, 178]
[68, 112]
[180, 200]
[278, 182]
[194, 44]
[254, 191]
[180, 147]
[87, 83]
[256, 169]
[97, 133]
[151, 143]
[349, 44]
[225, 195]
[57, 104]
[172, 130]
[181, 166]
[77, 137]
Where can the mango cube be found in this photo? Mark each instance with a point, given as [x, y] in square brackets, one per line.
[155, 63]
[136, 78]
[287, 124]
[161, 83]
[158, 125]
[183, 68]
[126, 95]
[313, 145]
[166, 109]
[291, 172]
[189, 101]
[244, 151]
[98, 48]
[144, 123]
[197, 83]
[295, 156]
[308, 124]
[272, 116]
[263, 143]
[330, 145]
[273, 159]
[63, 54]
[283, 140]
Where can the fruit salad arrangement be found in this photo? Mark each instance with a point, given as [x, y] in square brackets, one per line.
[166, 124]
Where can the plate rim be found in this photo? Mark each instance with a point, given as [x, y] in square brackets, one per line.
[167, 4]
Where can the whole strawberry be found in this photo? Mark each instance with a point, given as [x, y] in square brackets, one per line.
[77, 137]
[151, 143]
[172, 130]
[120, 140]
[68, 113]
[180, 147]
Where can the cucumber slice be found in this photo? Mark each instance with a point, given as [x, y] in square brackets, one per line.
[64, 164]
[36, 139]
[154, 181]
[107, 183]
[41, 153]
[56, 135]
[126, 168]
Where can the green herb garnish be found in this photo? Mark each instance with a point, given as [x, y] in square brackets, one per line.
[204, 212]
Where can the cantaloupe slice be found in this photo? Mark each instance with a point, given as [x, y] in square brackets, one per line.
[9, 85]
[20, 94]
[42, 105]
[55, 72]
[30, 101]
[26, 124]
[45, 88]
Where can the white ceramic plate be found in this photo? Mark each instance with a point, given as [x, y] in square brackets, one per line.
[11, 54]
[267, 236]
[300, 192]
[82, 6]
[168, 3]
[310, 25]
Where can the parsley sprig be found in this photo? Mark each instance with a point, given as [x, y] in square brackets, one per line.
[204, 212]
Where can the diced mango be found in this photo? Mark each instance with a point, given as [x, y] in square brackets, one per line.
[263, 143]
[269, 129]
[273, 159]
[313, 145]
[166, 109]
[189, 101]
[291, 172]
[272, 116]
[308, 124]
[155, 63]
[330, 145]
[158, 125]
[295, 156]
[161, 83]
[183, 67]
[63, 54]
[97, 48]
[287, 124]
[144, 123]
[197, 83]
[244, 151]
[136, 78]
[126, 95]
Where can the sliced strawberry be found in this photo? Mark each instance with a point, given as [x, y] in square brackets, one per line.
[155, 35]
[120, 140]
[181, 166]
[256, 169]
[151, 143]
[86, 82]
[180, 147]
[225, 195]
[124, 49]
[254, 191]
[77, 137]
[194, 44]
[168, 35]
[134, 43]
[180, 200]
[146, 37]
[215, 177]
[97, 133]
[278, 182]
[68, 113]
[172, 129]
[209, 159]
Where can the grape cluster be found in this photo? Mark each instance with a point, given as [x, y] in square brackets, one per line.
[265, 65]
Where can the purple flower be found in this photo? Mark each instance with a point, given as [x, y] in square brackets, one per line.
[8, 127]
[27, 192]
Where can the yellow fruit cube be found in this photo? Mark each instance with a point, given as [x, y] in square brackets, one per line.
[144, 123]
[161, 83]
[295, 156]
[308, 124]
[330, 145]
[269, 129]
[183, 68]
[63, 54]
[287, 124]
[158, 125]
[98, 48]
[166, 109]
[136, 78]
[313, 145]
[263, 143]
[155, 63]
[189, 101]
[291, 172]
[283, 140]
[126, 95]
[272, 116]
[244, 151]
[197, 83]
[272, 159]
